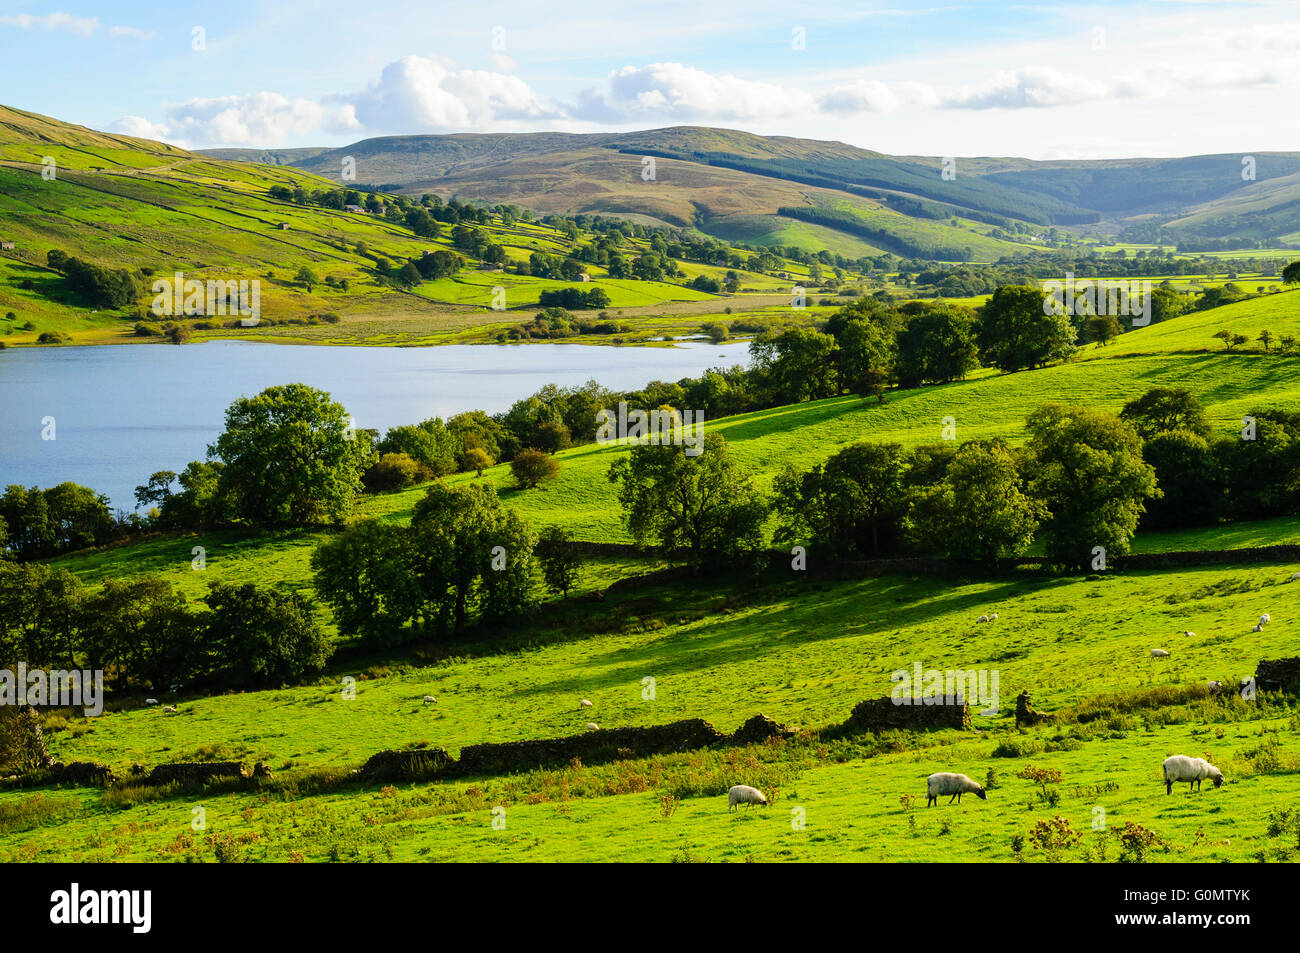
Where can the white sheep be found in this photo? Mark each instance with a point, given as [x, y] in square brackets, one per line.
[1258, 628]
[592, 726]
[1190, 635]
[169, 709]
[430, 700]
[151, 701]
[1179, 767]
[1294, 576]
[584, 704]
[982, 618]
[945, 782]
[993, 617]
[1159, 653]
[744, 794]
[1265, 618]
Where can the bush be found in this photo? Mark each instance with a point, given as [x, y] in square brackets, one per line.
[532, 467]
[269, 637]
[394, 471]
[477, 459]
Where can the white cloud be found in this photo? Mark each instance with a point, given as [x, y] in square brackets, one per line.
[81, 26]
[417, 94]
[1039, 87]
[139, 127]
[673, 91]
[412, 95]
[258, 119]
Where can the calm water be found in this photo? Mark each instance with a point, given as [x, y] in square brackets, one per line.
[124, 412]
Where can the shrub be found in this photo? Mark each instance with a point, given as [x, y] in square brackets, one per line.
[1054, 836]
[532, 467]
[394, 471]
[477, 459]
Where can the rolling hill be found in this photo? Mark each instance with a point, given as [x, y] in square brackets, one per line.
[600, 172]
[121, 202]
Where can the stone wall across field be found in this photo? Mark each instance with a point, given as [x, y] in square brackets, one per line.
[1274, 675]
[593, 747]
[196, 772]
[414, 764]
[881, 714]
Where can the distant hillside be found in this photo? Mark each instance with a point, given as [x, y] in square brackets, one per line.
[265, 156]
[1175, 199]
[326, 273]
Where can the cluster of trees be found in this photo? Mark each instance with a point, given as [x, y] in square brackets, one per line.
[868, 344]
[1081, 482]
[478, 243]
[463, 559]
[557, 322]
[95, 284]
[288, 456]
[428, 267]
[37, 523]
[1247, 474]
[575, 299]
[965, 280]
[1084, 479]
[145, 636]
[326, 198]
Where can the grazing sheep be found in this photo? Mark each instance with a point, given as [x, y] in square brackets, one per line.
[169, 709]
[1215, 687]
[945, 782]
[1294, 577]
[1265, 618]
[584, 704]
[993, 617]
[592, 726]
[1179, 767]
[151, 701]
[1159, 653]
[430, 700]
[744, 794]
[1258, 628]
[1190, 635]
[982, 618]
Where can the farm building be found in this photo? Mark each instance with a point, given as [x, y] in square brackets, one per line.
[6, 245]
[283, 226]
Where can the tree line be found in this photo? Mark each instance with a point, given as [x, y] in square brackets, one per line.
[144, 635]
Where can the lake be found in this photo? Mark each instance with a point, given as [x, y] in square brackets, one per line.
[123, 412]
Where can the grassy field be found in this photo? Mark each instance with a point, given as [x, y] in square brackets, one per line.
[800, 652]
[796, 655]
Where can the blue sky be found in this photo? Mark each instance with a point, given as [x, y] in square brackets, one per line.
[1085, 79]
